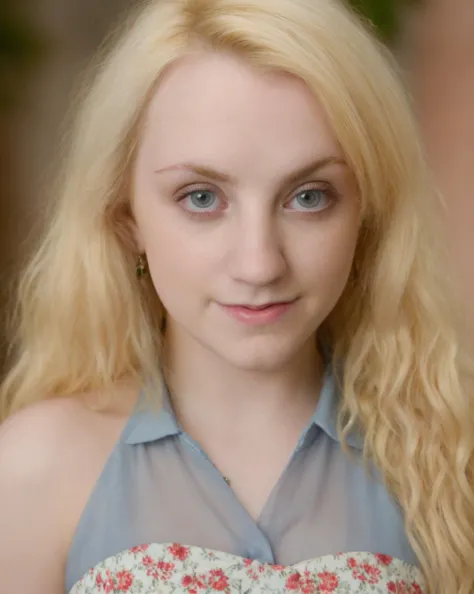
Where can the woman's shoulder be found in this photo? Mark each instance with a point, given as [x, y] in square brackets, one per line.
[51, 454]
[48, 434]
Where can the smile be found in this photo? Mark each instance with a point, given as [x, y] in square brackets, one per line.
[259, 315]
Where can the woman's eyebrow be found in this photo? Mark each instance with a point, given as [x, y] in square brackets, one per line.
[211, 173]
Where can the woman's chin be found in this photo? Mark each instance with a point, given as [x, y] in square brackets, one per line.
[266, 354]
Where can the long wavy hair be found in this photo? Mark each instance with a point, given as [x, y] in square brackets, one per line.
[82, 320]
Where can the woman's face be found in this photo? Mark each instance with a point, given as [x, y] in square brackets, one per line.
[245, 209]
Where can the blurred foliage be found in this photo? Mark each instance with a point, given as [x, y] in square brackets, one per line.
[21, 47]
[384, 14]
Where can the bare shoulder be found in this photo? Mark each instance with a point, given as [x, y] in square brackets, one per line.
[35, 437]
[51, 455]
[50, 433]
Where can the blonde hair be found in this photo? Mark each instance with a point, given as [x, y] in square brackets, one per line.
[83, 320]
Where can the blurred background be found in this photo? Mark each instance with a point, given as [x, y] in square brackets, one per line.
[46, 44]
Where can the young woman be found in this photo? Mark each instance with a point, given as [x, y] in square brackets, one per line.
[236, 366]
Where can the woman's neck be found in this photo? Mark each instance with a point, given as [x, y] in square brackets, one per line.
[208, 393]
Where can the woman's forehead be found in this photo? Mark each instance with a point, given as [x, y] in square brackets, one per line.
[216, 104]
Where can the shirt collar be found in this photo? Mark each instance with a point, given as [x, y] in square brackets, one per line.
[325, 416]
[150, 423]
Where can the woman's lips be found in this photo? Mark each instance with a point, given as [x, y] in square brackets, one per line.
[258, 316]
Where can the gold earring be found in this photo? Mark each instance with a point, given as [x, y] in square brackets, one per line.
[142, 267]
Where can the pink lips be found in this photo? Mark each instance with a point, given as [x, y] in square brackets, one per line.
[258, 316]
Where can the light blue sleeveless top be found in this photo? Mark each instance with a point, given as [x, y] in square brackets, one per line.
[158, 486]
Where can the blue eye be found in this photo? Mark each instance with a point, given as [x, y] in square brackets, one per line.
[311, 200]
[201, 200]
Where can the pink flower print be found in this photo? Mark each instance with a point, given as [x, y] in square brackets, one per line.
[352, 563]
[248, 562]
[192, 584]
[373, 573]
[218, 580]
[158, 570]
[367, 573]
[303, 584]
[179, 552]
[104, 585]
[293, 581]
[139, 548]
[124, 580]
[401, 587]
[329, 582]
[147, 560]
[384, 559]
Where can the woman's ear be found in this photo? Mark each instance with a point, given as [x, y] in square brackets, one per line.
[124, 223]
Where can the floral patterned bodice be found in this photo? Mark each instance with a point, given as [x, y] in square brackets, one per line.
[173, 568]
